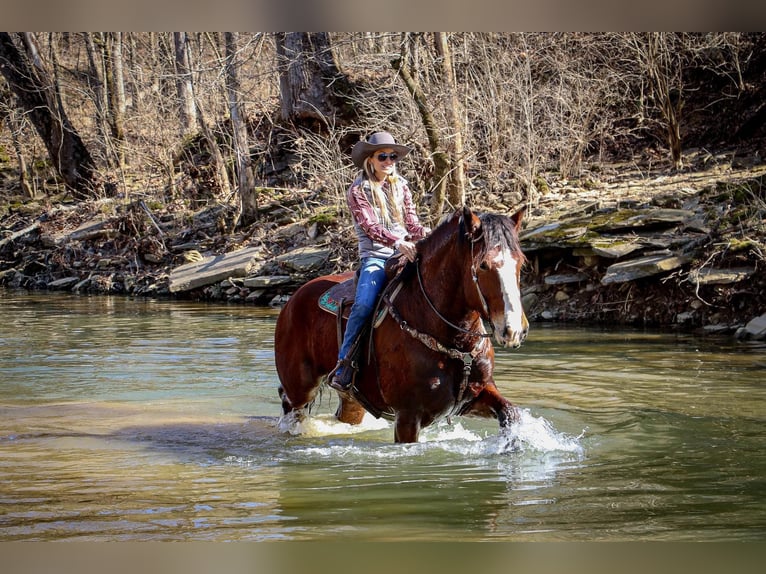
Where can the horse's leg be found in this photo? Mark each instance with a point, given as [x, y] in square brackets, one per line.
[349, 412]
[491, 404]
[406, 427]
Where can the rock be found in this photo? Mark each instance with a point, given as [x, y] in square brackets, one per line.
[632, 219]
[642, 267]
[717, 329]
[755, 329]
[93, 229]
[529, 301]
[561, 296]
[685, 317]
[710, 276]
[254, 296]
[263, 281]
[279, 301]
[213, 269]
[614, 249]
[565, 278]
[523, 236]
[63, 283]
[304, 259]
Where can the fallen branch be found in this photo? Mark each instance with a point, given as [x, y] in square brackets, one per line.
[22, 233]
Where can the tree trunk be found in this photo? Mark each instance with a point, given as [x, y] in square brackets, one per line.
[96, 82]
[16, 124]
[184, 85]
[307, 70]
[36, 90]
[117, 97]
[456, 180]
[439, 157]
[247, 195]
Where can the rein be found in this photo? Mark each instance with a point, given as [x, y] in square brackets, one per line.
[467, 357]
[481, 297]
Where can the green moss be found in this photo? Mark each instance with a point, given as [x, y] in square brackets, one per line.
[327, 217]
[738, 245]
[541, 185]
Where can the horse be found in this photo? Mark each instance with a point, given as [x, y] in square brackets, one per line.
[429, 355]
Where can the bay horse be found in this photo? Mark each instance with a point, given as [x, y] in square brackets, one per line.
[431, 356]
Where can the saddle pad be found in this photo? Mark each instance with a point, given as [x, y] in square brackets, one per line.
[330, 299]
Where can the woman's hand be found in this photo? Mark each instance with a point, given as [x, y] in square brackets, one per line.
[407, 248]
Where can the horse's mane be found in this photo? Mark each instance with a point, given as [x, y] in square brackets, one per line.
[497, 230]
[500, 230]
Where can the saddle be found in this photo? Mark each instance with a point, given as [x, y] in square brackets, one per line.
[338, 300]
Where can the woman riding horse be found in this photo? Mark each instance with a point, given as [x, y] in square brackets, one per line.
[384, 221]
[430, 355]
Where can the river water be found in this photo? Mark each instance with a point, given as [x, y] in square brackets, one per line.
[125, 419]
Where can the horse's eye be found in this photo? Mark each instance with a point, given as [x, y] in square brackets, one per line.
[484, 266]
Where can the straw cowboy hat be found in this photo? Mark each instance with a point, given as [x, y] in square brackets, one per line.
[378, 140]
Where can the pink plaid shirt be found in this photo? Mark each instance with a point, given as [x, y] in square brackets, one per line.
[367, 222]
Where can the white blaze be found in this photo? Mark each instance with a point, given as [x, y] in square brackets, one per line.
[513, 313]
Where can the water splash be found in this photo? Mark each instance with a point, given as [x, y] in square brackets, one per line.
[530, 434]
[296, 423]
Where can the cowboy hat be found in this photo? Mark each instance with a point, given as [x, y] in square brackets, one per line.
[378, 140]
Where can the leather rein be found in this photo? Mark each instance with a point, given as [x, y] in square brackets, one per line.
[467, 357]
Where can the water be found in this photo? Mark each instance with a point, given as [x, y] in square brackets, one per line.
[127, 419]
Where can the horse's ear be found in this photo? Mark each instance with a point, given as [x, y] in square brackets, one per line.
[517, 217]
[471, 223]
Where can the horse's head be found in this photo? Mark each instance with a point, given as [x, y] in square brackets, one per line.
[496, 272]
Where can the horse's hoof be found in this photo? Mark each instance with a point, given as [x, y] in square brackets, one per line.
[509, 416]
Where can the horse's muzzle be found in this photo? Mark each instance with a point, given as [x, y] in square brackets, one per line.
[510, 337]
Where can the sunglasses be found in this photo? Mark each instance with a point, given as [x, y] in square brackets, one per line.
[384, 156]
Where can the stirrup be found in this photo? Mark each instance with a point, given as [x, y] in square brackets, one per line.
[342, 382]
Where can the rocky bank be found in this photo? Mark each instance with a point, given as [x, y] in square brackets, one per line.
[627, 244]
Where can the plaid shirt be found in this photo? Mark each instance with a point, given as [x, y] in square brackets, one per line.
[366, 218]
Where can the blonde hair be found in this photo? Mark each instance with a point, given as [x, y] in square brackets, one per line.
[385, 204]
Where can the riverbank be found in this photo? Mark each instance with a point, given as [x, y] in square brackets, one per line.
[626, 244]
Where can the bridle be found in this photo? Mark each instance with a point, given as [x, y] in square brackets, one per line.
[475, 279]
[467, 357]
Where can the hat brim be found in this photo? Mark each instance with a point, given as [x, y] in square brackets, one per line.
[363, 150]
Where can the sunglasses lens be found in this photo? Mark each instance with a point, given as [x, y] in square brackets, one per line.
[385, 156]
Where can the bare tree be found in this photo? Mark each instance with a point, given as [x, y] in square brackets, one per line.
[116, 86]
[37, 91]
[438, 154]
[184, 84]
[309, 78]
[246, 183]
[660, 55]
[456, 180]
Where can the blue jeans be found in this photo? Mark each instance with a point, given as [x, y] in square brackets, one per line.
[372, 278]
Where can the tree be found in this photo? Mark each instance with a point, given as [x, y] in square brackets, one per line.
[456, 180]
[660, 55]
[247, 195]
[116, 85]
[184, 85]
[308, 72]
[439, 156]
[38, 93]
